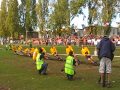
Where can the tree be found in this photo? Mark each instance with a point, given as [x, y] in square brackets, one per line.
[3, 15]
[33, 14]
[42, 12]
[22, 13]
[75, 6]
[108, 13]
[93, 14]
[12, 18]
[105, 16]
[61, 15]
[28, 16]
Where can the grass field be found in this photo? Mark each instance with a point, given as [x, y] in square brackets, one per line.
[19, 73]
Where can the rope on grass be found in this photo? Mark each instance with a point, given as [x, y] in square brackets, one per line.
[81, 55]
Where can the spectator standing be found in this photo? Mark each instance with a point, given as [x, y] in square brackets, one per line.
[105, 54]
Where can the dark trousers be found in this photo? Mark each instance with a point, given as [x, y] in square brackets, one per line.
[43, 69]
[70, 77]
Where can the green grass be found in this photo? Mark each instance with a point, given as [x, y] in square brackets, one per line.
[19, 73]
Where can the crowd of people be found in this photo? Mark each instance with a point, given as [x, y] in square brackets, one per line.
[74, 40]
[64, 40]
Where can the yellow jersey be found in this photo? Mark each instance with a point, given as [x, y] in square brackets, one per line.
[53, 50]
[85, 51]
[68, 49]
[14, 48]
[19, 48]
[26, 51]
[32, 51]
[44, 50]
[35, 54]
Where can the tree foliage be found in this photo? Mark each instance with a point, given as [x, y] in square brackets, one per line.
[28, 15]
[33, 14]
[108, 12]
[42, 12]
[61, 15]
[105, 16]
[12, 18]
[75, 6]
[3, 16]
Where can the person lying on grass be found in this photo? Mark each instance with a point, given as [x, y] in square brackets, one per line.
[86, 53]
[31, 51]
[14, 48]
[53, 51]
[68, 49]
[19, 50]
[46, 54]
[26, 52]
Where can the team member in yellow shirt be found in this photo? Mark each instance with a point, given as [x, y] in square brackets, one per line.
[31, 51]
[36, 51]
[26, 52]
[53, 51]
[44, 51]
[14, 48]
[86, 52]
[19, 50]
[68, 49]
[35, 54]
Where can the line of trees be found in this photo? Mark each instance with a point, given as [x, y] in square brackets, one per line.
[17, 19]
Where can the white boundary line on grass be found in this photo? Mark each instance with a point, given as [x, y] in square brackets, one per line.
[81, 55]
